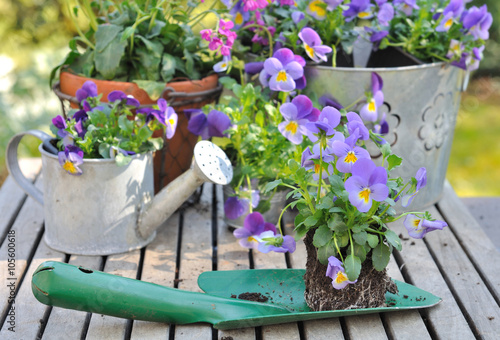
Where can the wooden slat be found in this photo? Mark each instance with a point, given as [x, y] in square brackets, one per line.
[446, 319]
[109, 327]
[196, 257]
[316, 329]
[365, 327]
[472, 237]
[27, 227]
[467, 284]
[230, 256]
[404, 324]
[159, 268]
[12, 196]
[274, 260]
[29, 312]
[67, 323]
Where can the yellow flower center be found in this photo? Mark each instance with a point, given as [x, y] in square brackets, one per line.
[351, 157]
[292, 127]
[340, 277]
[316, 168]
[69, 167]
[365, 194]
[281, 76]
[315, 7]
[238, 19]
[371, 106]
[223, 65]
[363, 15]
[309, 50]
[171, 121]
[416, 223]
[251, 239]
[448, 23]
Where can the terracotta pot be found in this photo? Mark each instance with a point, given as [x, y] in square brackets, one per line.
[176, 155]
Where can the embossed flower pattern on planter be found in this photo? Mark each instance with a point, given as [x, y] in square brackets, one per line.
[435, 123]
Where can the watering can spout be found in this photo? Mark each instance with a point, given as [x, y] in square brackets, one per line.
[210, 164]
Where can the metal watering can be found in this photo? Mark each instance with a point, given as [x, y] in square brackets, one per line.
[111, 209]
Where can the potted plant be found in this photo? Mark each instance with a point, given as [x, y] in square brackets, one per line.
[345, 203]
[147, 49]
[423, 51]
[254, 127]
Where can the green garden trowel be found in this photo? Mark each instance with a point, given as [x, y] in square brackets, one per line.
[282, 290]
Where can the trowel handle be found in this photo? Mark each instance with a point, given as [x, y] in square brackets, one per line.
[13, 162]
[67, 286]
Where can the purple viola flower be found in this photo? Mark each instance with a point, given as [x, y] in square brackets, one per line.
[464, 61]
[377, 82]
[114, 150]
[328, 120]
[253, 226]
[376, 36]
[308, 158]
[478, 22]
[348, 153]
[336, 272]
[270, 241]
[88, 89]
[369, 111]
[240, 16]
[59, 122]
[313, 45]
[316, 9]
[254, 67]
[367, 184]
[297, 17]
[222, 66]
[67, 138]
[419, 227]
[455, 50]
[382, 127]
[297, 114]
[385, 14]
[359, 8]
[354, 122]
[445, 23]
[421, 178]
[406, 6]
[171, 118]
[235, 206]
[80, 129]
[70, 159]
[81, 115]
[212, 125]
[328, 100]
[476, 57]
[119, 95]
[455, 7]
[283, 69]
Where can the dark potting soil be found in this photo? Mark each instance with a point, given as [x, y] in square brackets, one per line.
[257, 297]
[368, 292]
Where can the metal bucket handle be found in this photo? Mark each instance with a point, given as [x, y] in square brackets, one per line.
[13, 163]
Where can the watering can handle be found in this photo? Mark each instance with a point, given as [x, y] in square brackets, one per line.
[13, 163]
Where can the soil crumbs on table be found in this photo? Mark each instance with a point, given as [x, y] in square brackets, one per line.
[257, 297]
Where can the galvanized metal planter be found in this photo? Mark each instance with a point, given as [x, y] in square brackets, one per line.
[421, 104]
[111, 209]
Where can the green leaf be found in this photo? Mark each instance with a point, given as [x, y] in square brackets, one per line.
[271, 185]
[127, 32]
[310, 221]
[293, 165]
[360, 252]
[125, 124]
[325, 203]
[380, 256]
[104, 150]
[352, 265]
[336, 224]
[326, 251]
[359, 227]
[322, 236]
[153, 88]
[360, 237]
[167, 67]
[122, 160]
[372, 240]
[227, 82]
[393, 239]
[157, 143]
[109, 50]
[300, 232]
[393, 162]
[386, 150]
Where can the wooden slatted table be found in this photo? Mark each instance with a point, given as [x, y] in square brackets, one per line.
[459, 264]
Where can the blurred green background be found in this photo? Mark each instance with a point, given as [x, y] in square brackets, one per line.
[35, 33]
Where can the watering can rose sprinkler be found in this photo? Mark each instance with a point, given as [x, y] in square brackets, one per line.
[111, 209]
